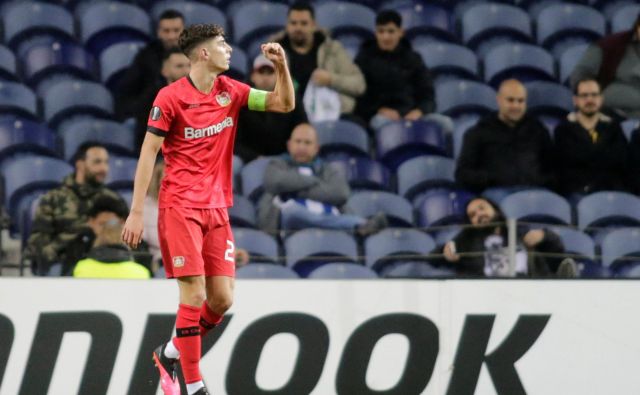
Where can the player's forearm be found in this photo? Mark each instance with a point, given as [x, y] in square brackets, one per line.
[284, 91]
[144, 171]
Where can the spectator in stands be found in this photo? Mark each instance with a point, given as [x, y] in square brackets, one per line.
[317, 59]
[62, 213]
[144, 75]
[399, 85]
[481, 248]
[615, 62]
[265, 133]
[109, 257]
[302, 191]
[507, 149]
[592, 149]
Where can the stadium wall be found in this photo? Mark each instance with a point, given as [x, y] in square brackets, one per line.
[65, 336]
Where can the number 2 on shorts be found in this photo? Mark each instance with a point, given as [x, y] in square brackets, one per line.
[228, 254]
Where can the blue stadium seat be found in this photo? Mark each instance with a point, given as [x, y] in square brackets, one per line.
[418, 270]
[67, 98]
[242, 213]
[103, 24]
[351, 43]
[425, 20]
[363, 173]
[448, 61]
[340, 271]
[609, 8]
[27, 207]
[265, 271]
[629, 126]
[621, 247]
[193, 11]
[396, 142]
[548, 99]
[560, 26]
[122, 171]
[461, 127]
[458, 97]
[369, 203]
[607, 209]
[115, 60]
[537, 206]
[342, 136]
[253, 178]
[260, 246]
[257, 19]
[46, 60]
[26, 174]
[309, 249]
[569, 59]
[239, 67]
[624, 17]
[576, 242]
[487, 25]
[442, 206]
[7, 64]
[341, 17]
[20, 135]
[391, 247]
[117, 138]
[497, 194]
[30, 18]
[523, 62]
[424, 172]
[17, 99]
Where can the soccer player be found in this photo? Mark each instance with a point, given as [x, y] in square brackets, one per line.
[194, 121]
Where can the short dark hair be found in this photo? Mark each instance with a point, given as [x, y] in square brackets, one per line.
[109, 204]
[197, 34]
[170, 51]
[302, 6]
[81, 152]
[583, 80]
[171, 14]
[388, 16]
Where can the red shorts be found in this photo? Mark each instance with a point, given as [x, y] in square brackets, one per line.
[196, 242]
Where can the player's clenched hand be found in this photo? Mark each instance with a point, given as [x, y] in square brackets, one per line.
[274, 52]
[132, 231]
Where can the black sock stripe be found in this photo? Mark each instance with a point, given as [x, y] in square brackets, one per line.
[190, 331]
[206, 324]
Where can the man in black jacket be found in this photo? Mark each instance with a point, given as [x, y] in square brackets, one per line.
[592, 150]
[507, 149]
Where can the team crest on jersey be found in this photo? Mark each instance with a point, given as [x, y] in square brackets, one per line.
[155, 113]
[224, 99]
[178, 261]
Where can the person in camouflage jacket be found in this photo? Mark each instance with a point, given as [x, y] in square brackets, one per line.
[60, 223]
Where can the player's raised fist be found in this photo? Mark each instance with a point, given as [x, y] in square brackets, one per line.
[274, 52]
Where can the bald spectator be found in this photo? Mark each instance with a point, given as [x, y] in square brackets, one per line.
[507, 149]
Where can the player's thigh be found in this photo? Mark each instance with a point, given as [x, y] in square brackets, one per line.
[181, 241]
[218, 252]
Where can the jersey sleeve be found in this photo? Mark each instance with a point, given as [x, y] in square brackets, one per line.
[161, 114]
[242, 90]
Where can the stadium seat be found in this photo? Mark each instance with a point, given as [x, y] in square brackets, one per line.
[340, 271]
[256, 19]
[342, 136]
[362, 173]
[523, 62]
[569, 59]
[193, 11]
[309, 249]
[608, 209]
[30, 18]
[105, 23]
[242, 213]
[239, 67]
[391, 247]
[399, 141]
[260, 246]
[560, 26]
[497, 194]
[27, 207]
[486, 25]
[442, 206]
[425, 20]
[537, 206]
[448, 61]
[461, 127]
[253, 178]
[7, 64]
[117, 138]
[609, 8]
[576, 242]
[67, 98]
[424, 172]
[418, 270]
[621, 247]
[17, 99]
[459, 97]
[369, 203]
[629, 127]
[624, 17]
[342, 17]
[548, 99]
[20, 135]
[115, 60]
[265, 271]
[122, 171]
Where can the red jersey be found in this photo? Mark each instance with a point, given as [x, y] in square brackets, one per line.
[199, 131]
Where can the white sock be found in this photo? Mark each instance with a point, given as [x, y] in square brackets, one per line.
[170, 351]
[193, 387]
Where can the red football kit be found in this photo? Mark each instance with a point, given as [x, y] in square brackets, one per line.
[199, 130]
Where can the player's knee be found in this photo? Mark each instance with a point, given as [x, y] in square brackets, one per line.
[221, 303]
